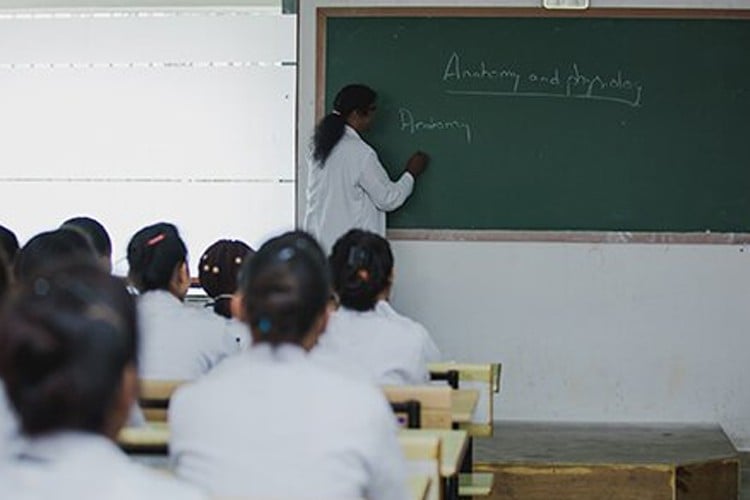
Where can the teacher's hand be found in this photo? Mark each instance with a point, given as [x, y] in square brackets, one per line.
[417, 164]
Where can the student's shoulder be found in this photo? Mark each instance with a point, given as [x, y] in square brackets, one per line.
[386, 310]
[352, 144]
[227, 372]
[340, 383]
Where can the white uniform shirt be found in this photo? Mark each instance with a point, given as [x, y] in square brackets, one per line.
[8, 425]
[179, 342]
[379, 345]
[83, 466]
[351, 190]
[269, 423]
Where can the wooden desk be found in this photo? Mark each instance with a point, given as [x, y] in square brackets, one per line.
[462, 405]
[452, 447]
[150, 439]
[418, 486]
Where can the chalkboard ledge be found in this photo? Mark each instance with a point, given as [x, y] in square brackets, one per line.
[696, 238]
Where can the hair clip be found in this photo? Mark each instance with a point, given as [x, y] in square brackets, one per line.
[238, 260]
[357, 257]
[264, 325]
[156, 239]
[215, 270]
[41, 287]
[336, 112]
[286, 253]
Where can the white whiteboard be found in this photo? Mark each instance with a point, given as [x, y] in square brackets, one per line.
[133, 117]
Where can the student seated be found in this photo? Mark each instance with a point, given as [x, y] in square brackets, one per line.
[179, 342]
[270, 423]
[96, 234]
[365, 336]
[68, 345]
[218, 268]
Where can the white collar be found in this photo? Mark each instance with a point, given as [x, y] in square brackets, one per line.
[62, 445]
[284, 353]
[351, 131]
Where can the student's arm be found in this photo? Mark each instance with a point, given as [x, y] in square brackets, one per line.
[384, 193]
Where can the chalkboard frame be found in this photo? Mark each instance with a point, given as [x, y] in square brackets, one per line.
[661, 237]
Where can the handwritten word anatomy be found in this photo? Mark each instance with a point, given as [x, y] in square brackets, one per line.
[574, 84]
[408, 123]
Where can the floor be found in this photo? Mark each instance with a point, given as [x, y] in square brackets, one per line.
[608, 444]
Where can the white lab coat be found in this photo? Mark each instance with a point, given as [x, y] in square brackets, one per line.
[379, 345]
[351, 190]
[269, 423]
[179, 342]
[83, 466]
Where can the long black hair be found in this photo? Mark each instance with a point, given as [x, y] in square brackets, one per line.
[328, 132]
[361, 267]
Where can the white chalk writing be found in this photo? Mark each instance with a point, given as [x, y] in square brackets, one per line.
[408, 123]
[569, 83]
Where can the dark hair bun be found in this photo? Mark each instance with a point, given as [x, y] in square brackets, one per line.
[217, 271]
[286, 288]
[154, 253]
[65, 339]
[361, 266]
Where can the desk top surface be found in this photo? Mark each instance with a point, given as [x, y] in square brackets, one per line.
[463, 403]
[453, 444]
[418, 486]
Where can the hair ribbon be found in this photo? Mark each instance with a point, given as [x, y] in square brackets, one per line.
[156, 239]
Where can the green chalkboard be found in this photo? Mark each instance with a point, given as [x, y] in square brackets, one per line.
[557, 123]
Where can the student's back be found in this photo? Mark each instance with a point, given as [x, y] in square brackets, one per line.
[365, 336]
[179, 342]
[270, 423]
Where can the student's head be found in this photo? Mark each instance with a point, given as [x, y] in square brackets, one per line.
[353, 105]
[96, 234]
[217, 271]
[9, 243]
[285, 291]
[68, 349]
[157, 257]
[50, 249]
[362, 269]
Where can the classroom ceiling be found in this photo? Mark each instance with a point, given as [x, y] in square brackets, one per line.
[74, 4]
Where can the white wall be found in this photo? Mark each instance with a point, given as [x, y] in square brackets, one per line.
[586, 332]
[132, 116]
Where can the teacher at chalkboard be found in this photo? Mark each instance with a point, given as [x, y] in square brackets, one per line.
[347, 185]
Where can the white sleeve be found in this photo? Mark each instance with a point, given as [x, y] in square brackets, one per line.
[384, 193]
[387, 464]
